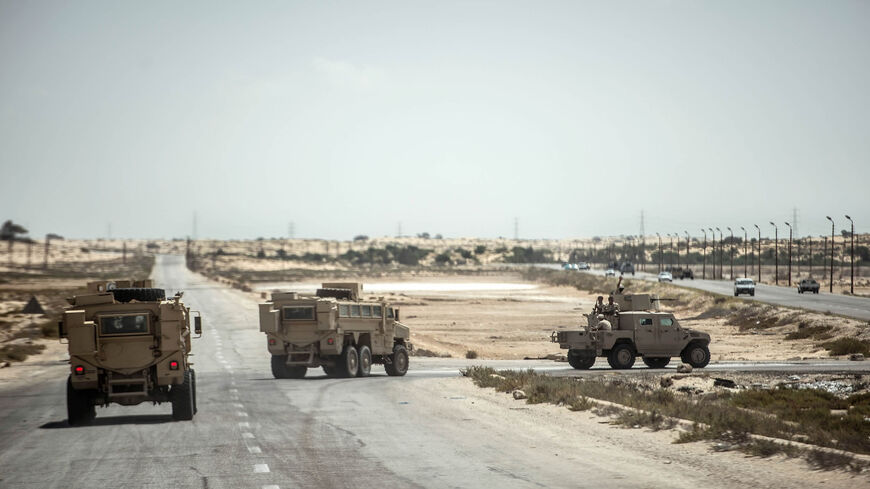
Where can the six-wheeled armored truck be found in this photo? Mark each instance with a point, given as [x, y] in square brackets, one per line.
[640, 329]
[334, 329]
[128, 344]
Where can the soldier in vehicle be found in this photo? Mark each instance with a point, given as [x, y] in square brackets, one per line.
[603, 324]
[598, 308]
[611, 308]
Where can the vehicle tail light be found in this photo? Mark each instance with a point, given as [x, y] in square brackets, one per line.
[330, 341]
[173, 365]
[79, 370]
[271, 341]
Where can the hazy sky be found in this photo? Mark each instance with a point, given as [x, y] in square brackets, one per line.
[449, 117]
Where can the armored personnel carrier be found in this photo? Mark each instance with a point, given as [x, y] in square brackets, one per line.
[128, 344]
[334, 329]
[640, 329]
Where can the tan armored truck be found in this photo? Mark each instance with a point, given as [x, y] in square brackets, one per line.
[128, 344]
[335, 329]
[640, 329]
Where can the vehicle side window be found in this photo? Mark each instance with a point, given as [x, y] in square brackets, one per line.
[343, 310]
[377, 311]
[366, 311]
[390, 313]
[646, 321]
[354, 311]
[666, 322]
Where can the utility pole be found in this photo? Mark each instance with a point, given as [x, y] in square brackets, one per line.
[713, 252]
[831, 285]
[852, 259]
[810, 238]
[789, 253]
[759, 251]
[45, 258]
[721, 252]
[776, 252]
[688, 245]
[704, 269]
[642, 243]
[124, 252]
[745, 255]
[660, 252]
[731, 277]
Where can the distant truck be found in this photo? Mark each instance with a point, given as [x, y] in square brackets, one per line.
[128, 344]
[808, 285]
[640, 330]
[335, 329]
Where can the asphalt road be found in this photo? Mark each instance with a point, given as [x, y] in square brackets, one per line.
[856, 307]
[255, 431]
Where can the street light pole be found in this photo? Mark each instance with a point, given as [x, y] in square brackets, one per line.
[731, 277]
[713, 252]
[660, 252]
[721, 253]
[831, 285]
[687, 250]
[775, 253]
[704, 270]
[759, 251]
[789, 253]
[745, 255]
[810, 244]
[852, 254]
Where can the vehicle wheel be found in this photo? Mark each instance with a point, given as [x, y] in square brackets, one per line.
[656, 362]
[752, 294]
[330, 371]
[399, 364]
[736, 294]
[193, 388]
[365, 361]
[79, 407]
[182, 399]
[580, 361]
[139, 294]
[348, 363]
[696, 355]
[622, 356]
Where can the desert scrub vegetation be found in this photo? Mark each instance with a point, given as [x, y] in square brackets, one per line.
[846, 346]
[18, 352]
[800, 415]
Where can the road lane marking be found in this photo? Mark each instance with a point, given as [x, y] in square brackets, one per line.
[261, 469]
[255, 449]
[242, 414]
[272, 486]
[239, 405]
[244, 424]
[247, 435]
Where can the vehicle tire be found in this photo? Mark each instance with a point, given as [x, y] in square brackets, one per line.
[139, 294]
[736, 294]
[398, 365]
[79, 407]
[622, 356]
[656, 362]
[193, 388]
[580, 361]
[752, 294]
[348, 363]
[365, 361]
[182, 399]
[330, 371]
[696, 355]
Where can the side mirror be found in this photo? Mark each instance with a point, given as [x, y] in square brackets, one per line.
[197, 325]
[397, 314]
[61, 332]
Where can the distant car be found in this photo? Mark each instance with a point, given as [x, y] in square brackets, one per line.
[610, 273]
[808, 285]
[583, 266]
[627, 267]
[666, 277]
[744, 286]
[566, 266]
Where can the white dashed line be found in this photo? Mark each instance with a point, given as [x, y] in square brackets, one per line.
[261, 469]
[273, 486]
[239, 405]
[242, 414]
[247, 435]
[244, 424]
[234, 391]
[255, 449]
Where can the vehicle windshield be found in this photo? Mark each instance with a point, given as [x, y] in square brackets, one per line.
[745, 281]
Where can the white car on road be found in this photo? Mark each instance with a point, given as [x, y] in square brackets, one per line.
[744, 286]
[610, 273]
[666, 277]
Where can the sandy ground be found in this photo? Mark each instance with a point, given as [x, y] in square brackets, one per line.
[563, 434]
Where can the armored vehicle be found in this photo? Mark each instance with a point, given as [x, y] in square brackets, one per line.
[128, 344]
[334, 329]
[640, 329]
